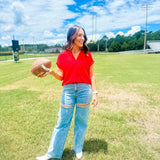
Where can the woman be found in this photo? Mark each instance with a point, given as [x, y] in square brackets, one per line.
[75, 69]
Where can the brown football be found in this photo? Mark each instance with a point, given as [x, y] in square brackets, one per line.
[37, 68]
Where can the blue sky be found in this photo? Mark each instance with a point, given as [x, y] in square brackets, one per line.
[47, 21]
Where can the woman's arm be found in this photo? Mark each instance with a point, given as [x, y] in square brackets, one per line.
[94, 89]
[57, 74]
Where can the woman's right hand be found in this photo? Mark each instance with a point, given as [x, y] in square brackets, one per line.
[57, 74]
[48, 71]
[45, 74]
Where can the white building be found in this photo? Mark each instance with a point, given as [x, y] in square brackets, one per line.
[53, 50]
[154, 45]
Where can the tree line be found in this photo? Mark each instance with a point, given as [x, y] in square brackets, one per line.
[119, 43]
[30, 47]
[123, 43]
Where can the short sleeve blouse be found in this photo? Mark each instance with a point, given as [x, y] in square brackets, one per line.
[75, 70]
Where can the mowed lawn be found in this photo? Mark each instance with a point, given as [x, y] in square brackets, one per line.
[124, 126]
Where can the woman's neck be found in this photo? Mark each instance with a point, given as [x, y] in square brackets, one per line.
[75, 50]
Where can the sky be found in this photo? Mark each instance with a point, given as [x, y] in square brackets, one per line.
[47, 21]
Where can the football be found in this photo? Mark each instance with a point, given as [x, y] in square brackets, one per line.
[40, 66]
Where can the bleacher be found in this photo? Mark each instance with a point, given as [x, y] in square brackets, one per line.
[154, 46]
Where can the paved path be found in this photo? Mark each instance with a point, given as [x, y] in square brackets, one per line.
[23, 59]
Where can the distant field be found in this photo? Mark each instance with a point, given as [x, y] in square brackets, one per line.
[27, 55]
[124, 126]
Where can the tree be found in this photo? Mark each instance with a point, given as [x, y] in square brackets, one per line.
[114, 47]
[92, 46]
[101, 44]
[124, 46]
[42, 47]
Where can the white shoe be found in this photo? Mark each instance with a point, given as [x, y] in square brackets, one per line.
[42, 158]
[79, 155]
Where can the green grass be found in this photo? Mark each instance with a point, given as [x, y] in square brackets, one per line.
[124, 126]
[28, 55]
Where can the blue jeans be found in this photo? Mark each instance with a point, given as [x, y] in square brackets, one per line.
[74, 94]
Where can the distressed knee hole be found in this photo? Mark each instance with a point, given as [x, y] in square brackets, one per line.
[65, 106]
[83, 105]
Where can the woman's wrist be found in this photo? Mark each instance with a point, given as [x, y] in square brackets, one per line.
[95, 92]
[52, 72]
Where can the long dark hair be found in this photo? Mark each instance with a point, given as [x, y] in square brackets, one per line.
[71, 37]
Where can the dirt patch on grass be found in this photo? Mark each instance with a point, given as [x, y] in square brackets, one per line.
[31, 83]
[140, 105]
[27, 82]
[150, 125]
[10, 86]
[117, 98]
[51, 94]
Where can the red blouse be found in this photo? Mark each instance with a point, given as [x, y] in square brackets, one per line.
[75, 70]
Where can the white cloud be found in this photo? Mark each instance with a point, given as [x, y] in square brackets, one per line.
[133, 30]
[31, 18]
[45, 20]
[99, 10]
[18, 14]
[115, 15]
[114, 5]
[84, 6]
[48, 34]
[110, 35]
[120, 33]
[6, 38]
[48, 15]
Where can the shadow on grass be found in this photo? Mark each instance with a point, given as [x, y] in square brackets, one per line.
[68, 154]
[90, 146]
[95, 145]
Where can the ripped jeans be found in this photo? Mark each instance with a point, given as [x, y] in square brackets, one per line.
[74, 94]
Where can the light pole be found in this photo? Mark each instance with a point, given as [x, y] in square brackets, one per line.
[106, 39]
[145, 34]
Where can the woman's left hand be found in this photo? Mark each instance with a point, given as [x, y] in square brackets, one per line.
[94, 100]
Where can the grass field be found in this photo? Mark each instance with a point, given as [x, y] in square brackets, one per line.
[124, 126]
[28, 55]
